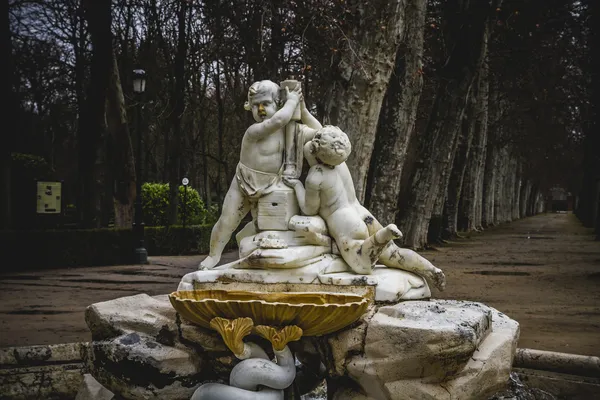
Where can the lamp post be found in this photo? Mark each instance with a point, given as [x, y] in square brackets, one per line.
[141, 254]
[185, 182]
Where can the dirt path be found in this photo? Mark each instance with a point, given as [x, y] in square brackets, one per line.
[543, 271]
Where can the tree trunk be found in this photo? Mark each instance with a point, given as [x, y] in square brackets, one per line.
[517, 183]
[91, 146]
[598, 210]
[499, 185]
[178, 109]
[122, 163]
[531, 204]
[436, 222]
[471, 199]
[397, 118]
[467, 37]
[7, 140]
[525, 193]
[491, 175]
[360, 79]
[590, 197]
[455, 184]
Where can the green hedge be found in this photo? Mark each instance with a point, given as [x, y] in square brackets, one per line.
[21, 250]
[155, 204]
[173, 240]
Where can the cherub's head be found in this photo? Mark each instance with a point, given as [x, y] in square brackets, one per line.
[263, 100]
[330, 145]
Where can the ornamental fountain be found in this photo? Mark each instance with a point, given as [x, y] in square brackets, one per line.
[320, 287]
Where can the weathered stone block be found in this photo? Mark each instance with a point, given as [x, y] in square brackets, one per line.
[137, 367]
[436, 350]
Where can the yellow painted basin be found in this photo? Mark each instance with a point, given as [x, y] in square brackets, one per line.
[317, 313]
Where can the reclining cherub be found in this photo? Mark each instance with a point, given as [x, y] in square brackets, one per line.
[361, 239]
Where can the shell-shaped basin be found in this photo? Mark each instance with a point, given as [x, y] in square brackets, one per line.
[317, 313]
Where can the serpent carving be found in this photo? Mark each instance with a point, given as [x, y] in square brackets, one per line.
[255, 378]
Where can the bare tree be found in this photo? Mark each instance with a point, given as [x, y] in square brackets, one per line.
[467, 31]
[397, 118]
[360, 77]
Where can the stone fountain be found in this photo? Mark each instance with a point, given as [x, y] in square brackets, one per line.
[320, 287]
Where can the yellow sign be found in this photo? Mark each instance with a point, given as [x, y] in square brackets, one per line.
[49, 197]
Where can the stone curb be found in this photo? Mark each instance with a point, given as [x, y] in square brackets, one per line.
[566, 363]
[42, 372]
[28, 356]
[61, 366]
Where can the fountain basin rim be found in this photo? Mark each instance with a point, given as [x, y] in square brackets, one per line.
[357, 298]
[328, 312]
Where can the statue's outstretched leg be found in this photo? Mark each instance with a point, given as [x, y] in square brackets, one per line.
[401, 258]
[409, 260]
[235, 208]
[361, 255]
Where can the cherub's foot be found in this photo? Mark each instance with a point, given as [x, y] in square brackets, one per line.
[208, 263]
[388, 233]
[436, 277]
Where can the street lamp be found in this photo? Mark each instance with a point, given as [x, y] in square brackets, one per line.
[139, 86]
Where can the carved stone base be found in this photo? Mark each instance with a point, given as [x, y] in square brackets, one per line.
[387, 284]
[432, 350]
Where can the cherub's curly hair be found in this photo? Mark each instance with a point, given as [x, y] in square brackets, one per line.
[262, 87]
[332, 146]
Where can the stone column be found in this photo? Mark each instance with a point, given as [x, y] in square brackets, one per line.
[293, 150]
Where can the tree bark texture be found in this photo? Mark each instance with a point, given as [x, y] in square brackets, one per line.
[360, 79]
[468, 30]
[91, 138]
[471, 198]
[122, 163]
[397, 118]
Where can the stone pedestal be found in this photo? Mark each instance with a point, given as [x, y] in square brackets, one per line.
[276, 209]
[384, 284]
[433, 349]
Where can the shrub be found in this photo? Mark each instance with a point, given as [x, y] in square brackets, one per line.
[155, 204]
[175, 240]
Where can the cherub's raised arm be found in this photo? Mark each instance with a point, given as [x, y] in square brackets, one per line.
[307, 118]
[280, 119]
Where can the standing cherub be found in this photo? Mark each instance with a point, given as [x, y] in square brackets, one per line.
[261, 159]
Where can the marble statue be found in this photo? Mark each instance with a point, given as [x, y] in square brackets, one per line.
[330, 193]
[261, 162]
[326, 196]
[294, 225]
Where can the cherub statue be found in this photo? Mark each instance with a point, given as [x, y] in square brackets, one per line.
[361, 239]
[261, 159]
